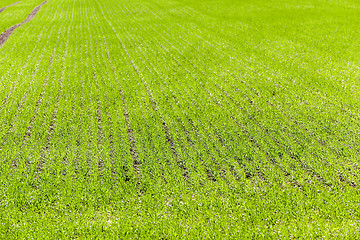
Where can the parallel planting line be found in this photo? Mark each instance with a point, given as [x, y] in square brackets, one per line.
[210, 175]
[160, 76]
[54, 114]
[169, 139]
[130, 131]
[234, 86]
[216, 101]
[270, 70]
[18, 111]
[127, 120]
[39, 100]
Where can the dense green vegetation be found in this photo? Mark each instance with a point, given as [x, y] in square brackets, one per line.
[150, 119]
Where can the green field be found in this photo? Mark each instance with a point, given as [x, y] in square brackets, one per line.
[180, 119]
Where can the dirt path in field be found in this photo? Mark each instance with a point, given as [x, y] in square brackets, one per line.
[5, 35]
[2, 9]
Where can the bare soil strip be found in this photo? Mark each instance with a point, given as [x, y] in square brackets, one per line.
[6, 35]
[2, 9]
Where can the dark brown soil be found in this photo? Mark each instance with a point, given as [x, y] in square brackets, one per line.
[5, 35]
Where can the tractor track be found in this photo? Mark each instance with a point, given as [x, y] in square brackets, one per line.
[2, 9]
[7, 33]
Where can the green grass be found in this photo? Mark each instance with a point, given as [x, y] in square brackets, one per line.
[144, 119]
